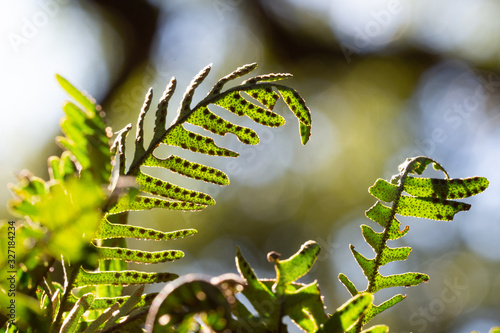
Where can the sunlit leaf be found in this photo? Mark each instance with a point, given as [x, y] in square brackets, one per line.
[425, 198]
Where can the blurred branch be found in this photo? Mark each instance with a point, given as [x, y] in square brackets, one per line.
[141, 18]
[290, 42]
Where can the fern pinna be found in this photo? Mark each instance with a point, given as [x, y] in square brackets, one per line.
[429, 198]
[85, 167]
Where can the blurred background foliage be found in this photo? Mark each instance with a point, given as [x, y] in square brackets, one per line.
[384, 79]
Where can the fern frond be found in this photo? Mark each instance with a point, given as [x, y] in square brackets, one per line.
[157, 193]
[86, 134]
[272, 299]
[85, 168]
[108, 253]
[118, 147]
[259, 88]
[296, 266]
[300, 302]
[123, 314]
[139, 136]
[377, 329]
[239, 72]
[107, 230]
[283, 296]
[195, 294]
[275, 298]
[410, 196]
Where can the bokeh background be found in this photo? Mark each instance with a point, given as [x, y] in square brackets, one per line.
[384, 79]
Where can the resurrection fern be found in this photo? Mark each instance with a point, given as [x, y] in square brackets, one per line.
[78, 218]
[426, 198]
[81, 169]
[157, 193]
[192, 295]
[193, 299]
[62, 215]
[96, 206]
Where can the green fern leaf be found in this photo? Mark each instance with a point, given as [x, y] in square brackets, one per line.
[180, 137]
[145, 203]
[86, 101]
[410, 196]
[107, 253]
[447, 189]
[124, 315]
[86, 135]
[194, 294]
[189, 169]
[61, 168]
[282, 296]
[348, 284]
[157, 193]
[125, 308]
[347, 314]
[41, 202]
[377, 309]
[124, 278]
[258, 293]
[209, 121]
[85, 167]
[177, 198]
[297, 265]
[304, 306]
[71, 321]
[108, 230]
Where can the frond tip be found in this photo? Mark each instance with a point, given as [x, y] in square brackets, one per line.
[410, 196]
[254, 98]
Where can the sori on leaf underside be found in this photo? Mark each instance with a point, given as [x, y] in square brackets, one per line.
[85, 166]
[408, 195]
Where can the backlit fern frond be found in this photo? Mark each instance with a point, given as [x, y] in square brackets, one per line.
[84, 167]
[410, 196]
[254, 98]
[179, 304]
[80, 199]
